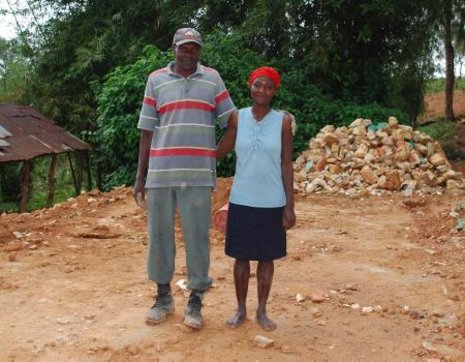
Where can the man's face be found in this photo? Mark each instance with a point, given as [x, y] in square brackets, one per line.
[187, 56]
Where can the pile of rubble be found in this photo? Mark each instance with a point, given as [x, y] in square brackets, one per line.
[366, 157]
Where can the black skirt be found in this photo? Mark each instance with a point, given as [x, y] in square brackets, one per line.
[255, 233]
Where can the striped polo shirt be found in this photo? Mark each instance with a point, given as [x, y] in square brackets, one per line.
[182, 113]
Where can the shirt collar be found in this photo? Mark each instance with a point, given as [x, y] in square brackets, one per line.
[199, 71]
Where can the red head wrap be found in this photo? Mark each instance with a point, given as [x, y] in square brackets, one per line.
[265, 72]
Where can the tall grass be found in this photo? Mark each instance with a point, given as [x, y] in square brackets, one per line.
[438, 85]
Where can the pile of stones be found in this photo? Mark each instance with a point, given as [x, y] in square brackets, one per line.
[374, 158]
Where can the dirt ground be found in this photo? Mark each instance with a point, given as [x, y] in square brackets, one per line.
[365, 279]
[434, 105]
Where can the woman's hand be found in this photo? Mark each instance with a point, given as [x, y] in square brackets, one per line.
[289, 218]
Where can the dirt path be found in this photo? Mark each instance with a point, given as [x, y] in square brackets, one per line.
[390, 276]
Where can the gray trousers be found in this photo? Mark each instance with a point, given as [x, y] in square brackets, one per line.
[194, 206]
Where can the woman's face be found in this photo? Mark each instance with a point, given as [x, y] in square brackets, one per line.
[262, 90]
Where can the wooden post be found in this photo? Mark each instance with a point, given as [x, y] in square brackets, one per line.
[25, 185]
[72, 174]
[51, 181]
[79, 169]
[89, 172]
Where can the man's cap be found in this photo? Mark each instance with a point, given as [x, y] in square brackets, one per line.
[187, 35]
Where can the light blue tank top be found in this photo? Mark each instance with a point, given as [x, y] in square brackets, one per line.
[258, 178]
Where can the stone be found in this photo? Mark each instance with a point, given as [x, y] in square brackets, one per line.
[330, 139]
[374, 159]
[262, 341]
[392, 181]
[368, 175]
[393, 122]
[437, 159]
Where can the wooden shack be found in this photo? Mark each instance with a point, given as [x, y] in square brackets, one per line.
[26, 134]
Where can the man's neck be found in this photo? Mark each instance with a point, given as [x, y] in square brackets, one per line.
[183, 73]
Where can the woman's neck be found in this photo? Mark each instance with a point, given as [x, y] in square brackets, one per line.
[259, 112]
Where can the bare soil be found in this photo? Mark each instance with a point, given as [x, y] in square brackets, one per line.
[377, 279]
[434, 105]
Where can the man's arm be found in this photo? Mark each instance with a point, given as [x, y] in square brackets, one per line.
[142, 165]
[228, 140]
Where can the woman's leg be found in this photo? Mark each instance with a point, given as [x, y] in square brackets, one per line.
[265, 271]
[241, 282]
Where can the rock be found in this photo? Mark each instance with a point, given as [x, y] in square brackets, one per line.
[368, 175]
[330, 139]
[318, 298]
[392, 181]
[437, 159]
[181, 284]
[393, 122]
[262, 341]
[364, 157]
[367, 310]
[299, 298]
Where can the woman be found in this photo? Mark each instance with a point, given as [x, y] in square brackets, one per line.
[261, 206]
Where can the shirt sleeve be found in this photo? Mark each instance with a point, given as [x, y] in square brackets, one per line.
[224, 105]
[148, 117]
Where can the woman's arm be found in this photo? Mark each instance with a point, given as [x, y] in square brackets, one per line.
[287, 171]
[228, 140]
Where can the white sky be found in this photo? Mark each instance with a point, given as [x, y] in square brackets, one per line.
[7, 22]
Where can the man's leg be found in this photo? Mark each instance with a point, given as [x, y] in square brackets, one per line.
[241, 282]
[195, 211]
[161, 205]
[265, 271]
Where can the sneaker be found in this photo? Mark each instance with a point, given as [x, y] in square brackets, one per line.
[164, 305]
[192, 316]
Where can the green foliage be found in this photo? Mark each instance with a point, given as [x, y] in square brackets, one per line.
[439, 84]
[39, 188]
[14, 72]
[10, 176]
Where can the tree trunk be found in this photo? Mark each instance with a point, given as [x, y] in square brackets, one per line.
[76, 187]
[51, 181]
[89, 171]
[449, 53]
[25, 186]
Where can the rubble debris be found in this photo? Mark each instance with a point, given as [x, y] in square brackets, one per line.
[364, 157]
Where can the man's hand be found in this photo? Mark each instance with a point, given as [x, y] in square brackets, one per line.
[139, 194]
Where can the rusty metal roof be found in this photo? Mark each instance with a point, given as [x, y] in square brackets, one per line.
[26, 134]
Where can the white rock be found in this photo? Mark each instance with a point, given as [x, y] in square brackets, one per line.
[299, 298]
[181, 284]
[262, 341]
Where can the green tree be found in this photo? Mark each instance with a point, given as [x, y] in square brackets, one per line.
[14, 72]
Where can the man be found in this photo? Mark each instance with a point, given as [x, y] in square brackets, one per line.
[176, 168]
